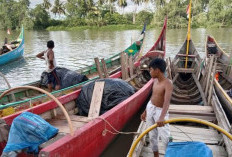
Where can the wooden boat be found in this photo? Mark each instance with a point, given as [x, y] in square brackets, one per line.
[90, 137]
[186, 102]
[187, 88]
[15, 53]
[223, 70]
[25, 98]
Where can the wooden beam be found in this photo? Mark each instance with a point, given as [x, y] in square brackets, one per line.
[95, 104]
[123, 65]
[209, 73]
[222, 121]
[131, 65]
[105, 71]
[98, 67]
[200, 89]
[184, 70]
[211, 83]
[126, 65]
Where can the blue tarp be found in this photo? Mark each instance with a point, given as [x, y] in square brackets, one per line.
[188, 149]
[29, 131]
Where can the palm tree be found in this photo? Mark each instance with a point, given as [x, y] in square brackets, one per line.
[58, 8]
[137, 2]
[110, 2]
[122, 4]
[46, 4]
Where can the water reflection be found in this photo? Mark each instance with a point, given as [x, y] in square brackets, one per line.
[76, 49]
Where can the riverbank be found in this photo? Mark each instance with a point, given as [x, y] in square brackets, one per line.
[107, 27]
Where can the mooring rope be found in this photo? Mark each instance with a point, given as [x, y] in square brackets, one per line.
[116, 131]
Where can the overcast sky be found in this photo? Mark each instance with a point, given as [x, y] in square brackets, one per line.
[130, 6]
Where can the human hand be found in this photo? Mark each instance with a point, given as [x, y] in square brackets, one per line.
[160, 122]
[51, 66]
[143, 116]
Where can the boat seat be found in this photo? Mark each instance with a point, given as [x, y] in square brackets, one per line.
[184, 55]
[156, 51]
[184, 70]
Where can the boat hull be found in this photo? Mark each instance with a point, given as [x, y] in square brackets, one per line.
[12, 55]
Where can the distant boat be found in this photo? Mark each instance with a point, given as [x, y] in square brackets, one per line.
[224, 83]
[15, 53]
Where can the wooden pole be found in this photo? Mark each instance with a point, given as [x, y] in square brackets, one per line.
[98, 67]
[105, 70]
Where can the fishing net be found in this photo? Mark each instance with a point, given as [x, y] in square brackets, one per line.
[67, 78]
[115, 91]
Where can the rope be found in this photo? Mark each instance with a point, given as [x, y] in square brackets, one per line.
[183, 132]
[115, 130]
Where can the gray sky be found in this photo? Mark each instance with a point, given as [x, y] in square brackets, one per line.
[130, 7]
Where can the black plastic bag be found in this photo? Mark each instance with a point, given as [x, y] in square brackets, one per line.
[115, 91]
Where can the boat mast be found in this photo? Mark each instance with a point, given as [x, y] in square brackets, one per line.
[189, 34]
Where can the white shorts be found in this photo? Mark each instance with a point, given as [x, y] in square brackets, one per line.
[153, 115]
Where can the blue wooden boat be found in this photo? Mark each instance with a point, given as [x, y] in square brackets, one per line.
[15, 53]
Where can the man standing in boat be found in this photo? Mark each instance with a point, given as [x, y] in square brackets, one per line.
[157, 107]
[49, 57]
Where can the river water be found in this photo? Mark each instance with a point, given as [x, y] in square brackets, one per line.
[76, 49]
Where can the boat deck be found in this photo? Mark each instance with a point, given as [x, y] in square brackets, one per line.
[186, 131]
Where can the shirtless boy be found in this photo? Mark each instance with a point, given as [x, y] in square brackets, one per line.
[49, 57]
[157, 107]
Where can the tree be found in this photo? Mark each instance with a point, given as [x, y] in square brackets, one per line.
[58, 8]
[46, 4]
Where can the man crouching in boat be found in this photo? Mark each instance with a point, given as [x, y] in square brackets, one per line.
[49, 57]
[157, 107]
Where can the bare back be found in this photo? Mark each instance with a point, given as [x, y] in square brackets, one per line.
[161, 91]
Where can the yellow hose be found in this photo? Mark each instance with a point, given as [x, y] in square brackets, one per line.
[179, 120]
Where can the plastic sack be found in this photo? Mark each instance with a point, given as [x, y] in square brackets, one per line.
[115, 91]
[29, 131]
[188, 149]
[67, 78]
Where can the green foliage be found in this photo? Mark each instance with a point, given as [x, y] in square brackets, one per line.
[40, 17]
[144, 17]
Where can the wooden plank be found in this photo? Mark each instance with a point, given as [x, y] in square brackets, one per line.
[126, 65]
[222, 121]
[200, 89]
[76, 118]
[131, 66]
[105, 71]
[184, 70]
[208, 118]
[211, 83]
[98, 67]
[208, 74]
[95, 104]
[62, 125]
[189, 113]
[193, 130]
[123, 65]
[191, 108]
